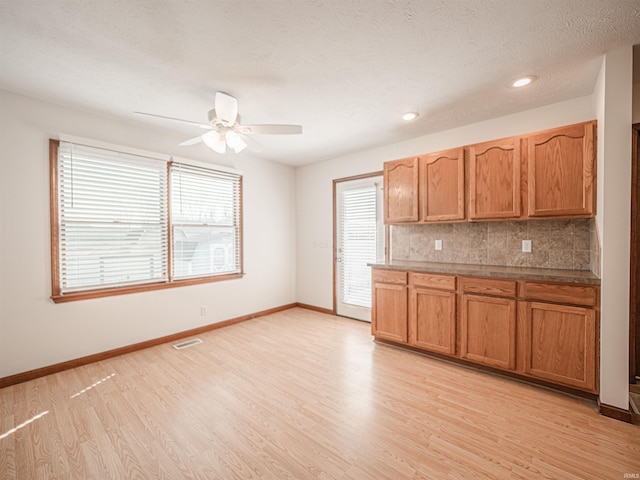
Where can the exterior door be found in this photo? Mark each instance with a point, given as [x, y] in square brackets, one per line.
[359, 240]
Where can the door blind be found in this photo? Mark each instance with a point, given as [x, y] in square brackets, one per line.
[112, 213]
[358, 244]
[205, 221]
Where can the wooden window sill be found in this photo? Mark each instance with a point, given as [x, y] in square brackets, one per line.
[110, 292]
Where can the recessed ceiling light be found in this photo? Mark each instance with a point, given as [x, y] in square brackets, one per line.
[407, 117]
[522, 81]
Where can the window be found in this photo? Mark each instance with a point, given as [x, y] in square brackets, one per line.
[205, 221]
[114, 232]
[112, 213]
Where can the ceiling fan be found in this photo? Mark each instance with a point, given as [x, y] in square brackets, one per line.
[225, 130]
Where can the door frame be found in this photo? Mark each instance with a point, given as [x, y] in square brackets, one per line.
[634, 274]
[335, 229]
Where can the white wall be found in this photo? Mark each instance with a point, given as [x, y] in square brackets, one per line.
[613, 102]
[636, 84]
[35, 332]
[314, 183]
[636, 99]
[598, 98]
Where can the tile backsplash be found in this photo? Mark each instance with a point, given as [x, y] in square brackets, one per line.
[563, 244]
[595, 248]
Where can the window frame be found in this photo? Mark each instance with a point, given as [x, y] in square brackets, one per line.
[58, 297]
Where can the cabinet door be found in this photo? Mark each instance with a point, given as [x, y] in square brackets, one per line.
[560, 345]
[401, 191]
[442, 186]
[389, 313]
[432, 320]
[561, 173]
[494, 179]
[488, 330]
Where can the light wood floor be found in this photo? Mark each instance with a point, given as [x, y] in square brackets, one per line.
[301, 395]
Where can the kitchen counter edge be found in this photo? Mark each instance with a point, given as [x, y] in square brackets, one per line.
[494, 271]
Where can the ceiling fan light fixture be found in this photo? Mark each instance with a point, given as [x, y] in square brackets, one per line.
[215, 141]
[522, 81]
[210, 138]
[235, 142]
[220, 146]
[408, 116]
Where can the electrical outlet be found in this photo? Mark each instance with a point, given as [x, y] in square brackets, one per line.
[203, 310]
[526, 246]
[438, 244]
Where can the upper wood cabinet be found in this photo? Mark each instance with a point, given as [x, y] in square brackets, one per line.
[561, 172]
[441, 186]
[494, 179]
[401, 191]
[547, 174]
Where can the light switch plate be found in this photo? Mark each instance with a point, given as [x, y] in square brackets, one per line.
[438, 244]
[526, 246]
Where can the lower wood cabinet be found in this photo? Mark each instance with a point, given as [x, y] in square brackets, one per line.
[560, 344]
[432, 320]
[546, 331]
[488, 330]
[389, 312]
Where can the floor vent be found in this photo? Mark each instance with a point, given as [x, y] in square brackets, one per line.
[188, 343]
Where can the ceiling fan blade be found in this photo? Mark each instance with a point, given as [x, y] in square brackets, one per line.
[201, 125]
[191, 141]
[270, 129]
[251, 143]
[226, 108]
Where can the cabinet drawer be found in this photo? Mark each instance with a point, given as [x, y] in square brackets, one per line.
[431, 280]
[586, 295]
[390, 276]
[489, 286]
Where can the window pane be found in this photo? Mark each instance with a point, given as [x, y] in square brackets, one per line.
[112, 218]
[201, 251]
[205, 214]
[200, 197]
[359, 242]
[102, 255]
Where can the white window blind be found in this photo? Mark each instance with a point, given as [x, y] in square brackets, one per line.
[358, 244]
[112, 214]
[205, 221]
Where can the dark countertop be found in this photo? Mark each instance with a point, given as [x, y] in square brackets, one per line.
[494, 271]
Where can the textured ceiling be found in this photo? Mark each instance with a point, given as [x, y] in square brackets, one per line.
[344, 69]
